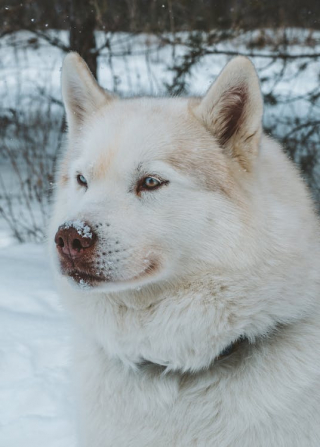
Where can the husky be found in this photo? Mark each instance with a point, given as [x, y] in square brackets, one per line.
[186, 248]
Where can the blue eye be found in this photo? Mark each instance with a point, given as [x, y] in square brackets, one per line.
[82, 180]
[151, 183]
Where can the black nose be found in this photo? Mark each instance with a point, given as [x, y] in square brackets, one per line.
[74, 240]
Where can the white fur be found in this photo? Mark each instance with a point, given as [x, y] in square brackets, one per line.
[238, 259]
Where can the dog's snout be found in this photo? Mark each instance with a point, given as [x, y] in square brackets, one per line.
[73, 239]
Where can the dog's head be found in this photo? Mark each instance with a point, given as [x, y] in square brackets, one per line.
[151, 189]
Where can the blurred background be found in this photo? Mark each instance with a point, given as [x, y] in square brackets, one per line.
[150, 47]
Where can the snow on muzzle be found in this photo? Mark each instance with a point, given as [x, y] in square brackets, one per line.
[76, 247]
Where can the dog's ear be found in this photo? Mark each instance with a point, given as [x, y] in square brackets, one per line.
[82, 96]
[232, 110]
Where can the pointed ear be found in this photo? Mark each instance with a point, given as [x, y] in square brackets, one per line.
[82, 95]
[232, 110]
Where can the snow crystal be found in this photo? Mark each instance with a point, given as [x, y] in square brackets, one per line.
[83, 284]
[82, 228]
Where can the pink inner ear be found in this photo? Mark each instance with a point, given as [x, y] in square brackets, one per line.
[232, 105]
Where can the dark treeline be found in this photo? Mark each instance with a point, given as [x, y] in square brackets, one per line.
[159, 15]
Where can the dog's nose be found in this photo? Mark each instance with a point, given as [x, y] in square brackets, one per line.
[73, 240]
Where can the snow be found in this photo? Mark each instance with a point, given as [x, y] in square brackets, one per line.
[29, 72]
[83, 284]
[35, 390]
[81, 227]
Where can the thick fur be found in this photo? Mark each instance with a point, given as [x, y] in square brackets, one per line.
[235, 244]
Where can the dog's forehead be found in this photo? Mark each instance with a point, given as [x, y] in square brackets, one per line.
[141, 132]
[132, 131]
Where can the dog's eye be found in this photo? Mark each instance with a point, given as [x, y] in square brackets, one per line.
[82, 180]
[149, 183]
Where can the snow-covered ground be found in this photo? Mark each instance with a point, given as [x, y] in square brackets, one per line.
[36, 406]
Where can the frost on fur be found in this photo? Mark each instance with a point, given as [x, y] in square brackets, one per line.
[82, 229]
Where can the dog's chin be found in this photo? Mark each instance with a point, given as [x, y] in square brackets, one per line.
[87, 281]
[84, 280]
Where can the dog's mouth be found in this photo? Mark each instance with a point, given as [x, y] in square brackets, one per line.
[85, 279]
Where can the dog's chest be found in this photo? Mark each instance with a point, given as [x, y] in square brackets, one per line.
[146, 409]
[141, 409]
[121, 409]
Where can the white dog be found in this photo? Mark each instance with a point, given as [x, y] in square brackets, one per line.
[187, 250]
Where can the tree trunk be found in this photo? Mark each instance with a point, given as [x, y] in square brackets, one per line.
[83, 21]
